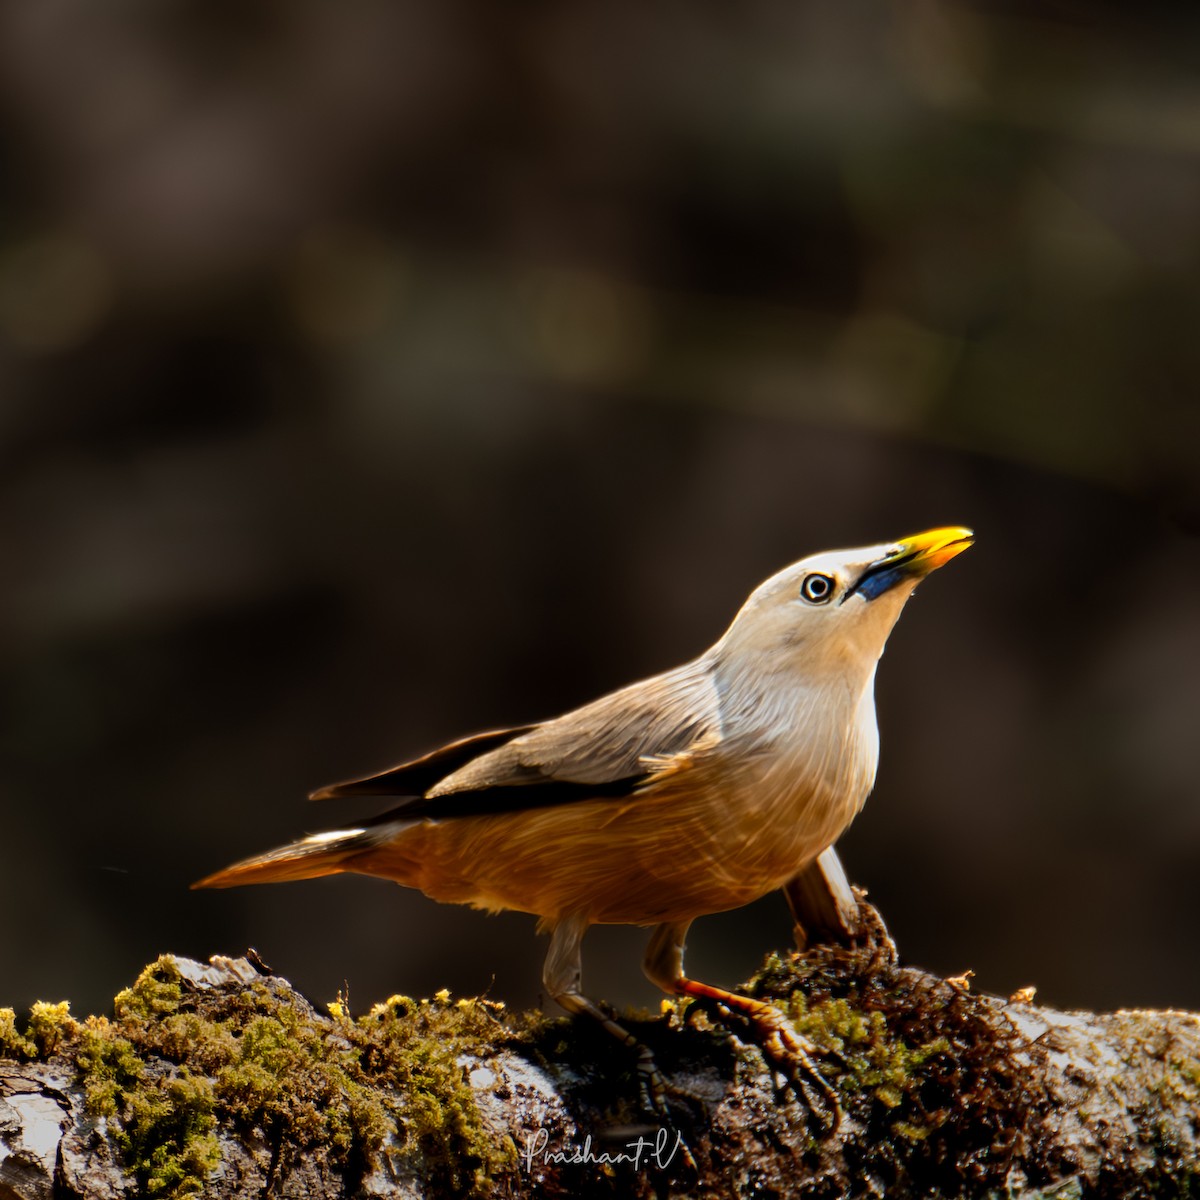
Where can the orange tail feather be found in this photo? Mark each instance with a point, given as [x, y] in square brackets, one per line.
[322, 854]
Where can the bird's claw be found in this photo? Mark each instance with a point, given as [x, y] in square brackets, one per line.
[787, 1054]
[652, 1084]
[653, 1090]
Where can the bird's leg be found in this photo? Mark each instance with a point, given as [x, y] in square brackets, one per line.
[563, 977]
[784, 1049]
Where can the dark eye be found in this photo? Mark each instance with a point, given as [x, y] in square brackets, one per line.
[816, 589]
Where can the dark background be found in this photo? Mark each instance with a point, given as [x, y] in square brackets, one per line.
[374, 373]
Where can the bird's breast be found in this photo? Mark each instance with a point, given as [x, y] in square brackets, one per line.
[733, 823]
[746, 819]
[812, 789]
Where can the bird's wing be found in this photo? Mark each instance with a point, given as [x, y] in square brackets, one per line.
[605, 750]
[416, 777]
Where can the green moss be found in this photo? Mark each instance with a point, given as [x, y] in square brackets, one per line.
[288, 1077]
[50, 1025]
[880, 1062]
[1188, 1071]
[875, 1061]
[109, 1066]
[416, 1047]
[161, 1118]
[46, 1027]
[929, 1072]
[13, 1044]
[166, 1134]
[174, 1061]
[157, 992]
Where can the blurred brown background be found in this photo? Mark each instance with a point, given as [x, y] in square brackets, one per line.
[378, 372]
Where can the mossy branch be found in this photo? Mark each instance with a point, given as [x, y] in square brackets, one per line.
[223, 1080]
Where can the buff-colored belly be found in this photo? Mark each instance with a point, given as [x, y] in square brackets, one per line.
[656, 857]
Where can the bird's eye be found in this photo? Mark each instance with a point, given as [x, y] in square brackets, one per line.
[817, 589]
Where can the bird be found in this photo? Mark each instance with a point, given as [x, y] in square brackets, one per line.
[695, 791]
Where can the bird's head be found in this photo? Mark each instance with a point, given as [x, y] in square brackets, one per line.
[832, 612]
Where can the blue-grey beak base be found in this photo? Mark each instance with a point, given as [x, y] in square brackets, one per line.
[882, 574]
[879, 577]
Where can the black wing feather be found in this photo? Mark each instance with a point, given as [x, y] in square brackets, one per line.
[416, 777]
[489, 801]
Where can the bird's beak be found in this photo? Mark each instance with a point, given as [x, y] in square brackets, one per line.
[912, 558]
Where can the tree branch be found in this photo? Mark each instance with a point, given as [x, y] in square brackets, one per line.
[222, 1078]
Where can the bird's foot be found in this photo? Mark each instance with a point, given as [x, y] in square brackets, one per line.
[788, 1056]
[653, 1090]
[653, 1087]
[787, 1053]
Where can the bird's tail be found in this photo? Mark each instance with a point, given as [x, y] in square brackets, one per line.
[309, 858]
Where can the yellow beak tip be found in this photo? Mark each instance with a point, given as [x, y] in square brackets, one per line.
[936, 547]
